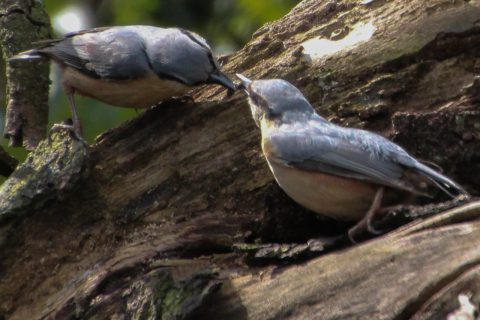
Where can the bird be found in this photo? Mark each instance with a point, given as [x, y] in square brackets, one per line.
[339, 172]
[130, 66]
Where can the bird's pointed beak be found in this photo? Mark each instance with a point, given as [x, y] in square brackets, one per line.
[244, 82]
[221, 79]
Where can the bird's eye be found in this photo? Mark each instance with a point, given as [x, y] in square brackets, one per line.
[257, 99]
[254, 98]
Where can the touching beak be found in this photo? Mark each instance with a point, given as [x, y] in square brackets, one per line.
[244, 82]
[221, 79]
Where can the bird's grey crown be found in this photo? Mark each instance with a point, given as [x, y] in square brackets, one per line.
[279, 97]
[179, 55]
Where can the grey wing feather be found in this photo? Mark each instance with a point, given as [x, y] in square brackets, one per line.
[340, 152]
[110, 53]
[49, 42]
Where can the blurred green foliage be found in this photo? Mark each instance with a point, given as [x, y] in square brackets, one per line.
[226, 24]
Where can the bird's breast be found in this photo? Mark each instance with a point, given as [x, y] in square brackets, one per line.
[135, 93]
[333, 196]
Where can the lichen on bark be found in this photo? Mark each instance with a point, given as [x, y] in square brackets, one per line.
[54, 167]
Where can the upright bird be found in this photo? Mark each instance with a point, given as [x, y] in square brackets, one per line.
[130, 66]
[334, 171]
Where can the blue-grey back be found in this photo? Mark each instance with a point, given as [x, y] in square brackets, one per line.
[129, 52]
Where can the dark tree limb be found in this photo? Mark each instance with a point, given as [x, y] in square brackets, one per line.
[7, 163]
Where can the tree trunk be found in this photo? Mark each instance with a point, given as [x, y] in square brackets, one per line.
[175, 214]
[22, 22]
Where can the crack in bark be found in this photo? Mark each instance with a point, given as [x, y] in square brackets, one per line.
[26, 14]
[429, 292]
[12, 11]
[436, 50]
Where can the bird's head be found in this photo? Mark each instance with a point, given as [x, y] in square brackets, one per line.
[186, 57]
[275, 100]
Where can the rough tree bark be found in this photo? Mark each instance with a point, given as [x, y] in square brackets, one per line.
[23, 22]
[158, 220]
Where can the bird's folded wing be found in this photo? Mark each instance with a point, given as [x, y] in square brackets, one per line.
[108, 53]
[353, 154]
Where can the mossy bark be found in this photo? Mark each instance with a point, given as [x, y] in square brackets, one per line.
[177, 198]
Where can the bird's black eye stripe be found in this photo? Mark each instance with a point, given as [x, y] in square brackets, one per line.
[147, 58]
[259, 101]
[255, 98]
[263, 105]
[212, 60]
[194, 39]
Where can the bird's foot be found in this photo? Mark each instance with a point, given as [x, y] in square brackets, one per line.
[362, 227]
[354, 231]
[371, 229]
[366, 222]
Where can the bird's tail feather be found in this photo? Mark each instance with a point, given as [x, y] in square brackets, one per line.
[27, 55]
[445, 184]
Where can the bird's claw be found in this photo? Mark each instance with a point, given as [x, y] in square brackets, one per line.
[371, 229]
[360, 227]
[352, 232]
